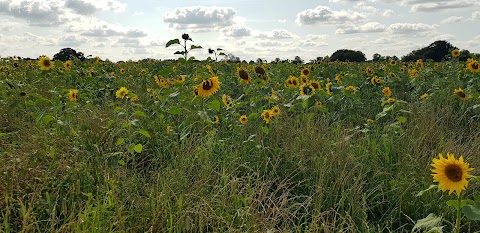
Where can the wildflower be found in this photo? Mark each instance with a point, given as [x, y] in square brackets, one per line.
[315, 85]
[473, 66]
[387, 92]
[292, 82]
[424, 96]
[390, 100]
[67, 65]
[275, 111]
[307, 90]
[460, 93]
[369, 71]
[455, 53]
[267, 115]
[243, 75]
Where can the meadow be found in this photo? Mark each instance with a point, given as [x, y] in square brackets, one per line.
[205, 146]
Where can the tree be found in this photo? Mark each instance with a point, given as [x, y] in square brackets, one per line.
[297, 60]
[232, 58]
[436, 51]
[66, 54]
[348, 55]
[377, 57]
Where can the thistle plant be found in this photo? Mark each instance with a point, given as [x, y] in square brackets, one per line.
[185, 51]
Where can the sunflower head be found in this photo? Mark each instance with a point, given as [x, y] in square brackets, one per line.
[460, 93]
[208, 87]
[267, 115]
[390, 100]
[393, 62]
[45, 63]
[243, 119]
[122, 71]
[275, 111]
[424, 96]
[387, 92]
[67, 65]
[243, 75]
[316, 85]
[451, 173]
[121, 93]
[455, 53]
[369, 71]
[292, 82]
[216, 119]
[305, 72]
[473, 66]
[181, 79]
[259, 70]
[72, 95]
[307, 90]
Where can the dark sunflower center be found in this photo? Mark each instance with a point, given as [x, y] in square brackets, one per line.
[207, 85]
[243, 74]
[294, 82]
[454, 172]
[315, 85]
[259, 70]
[74, 95]
[305, 72]
[461, 94]
[475, 66]
[307, 90]
[46, 63]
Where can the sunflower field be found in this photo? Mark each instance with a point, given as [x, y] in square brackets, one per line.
[204, 146]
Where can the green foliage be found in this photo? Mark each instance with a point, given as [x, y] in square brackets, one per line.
[348, 55]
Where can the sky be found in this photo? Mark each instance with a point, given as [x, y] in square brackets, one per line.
[249, 29]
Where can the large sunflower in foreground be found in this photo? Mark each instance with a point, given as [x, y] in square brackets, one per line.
[451, 173]
[208, 87]
[473, 66]
[121, 93]
[45, 63]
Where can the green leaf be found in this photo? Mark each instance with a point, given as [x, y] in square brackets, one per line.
[401, 119]
[265, 129]
[222, 54]
[139, 114]
[145, 133]
[47, 119]
[171, 42]
[195, 47]
[3, 134]
[121, 162]
[454, 203]
[120, 141]
[431, 221]
[110, 123]
[138, 148]
[174, 110]
[214, 104]
[425, 190]
[179, 52]
[472, 212]
[117, 109]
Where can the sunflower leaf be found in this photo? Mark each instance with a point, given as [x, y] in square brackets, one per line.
[214, 104]
[195, 47]
[472, 212]
[120, 141]
[171, 42]
[145, 133]
[138, 148]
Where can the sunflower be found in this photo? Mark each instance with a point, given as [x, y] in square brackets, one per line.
[181, 79]
[473, 66]
[259, 70]
[328, 88]
[369, 71]
[370, 121]
[134, 98]
[227, 100]
[210, 69]
[122, 71]
[121, 93]
[352, 88]
[275, 111]
[419, 63]
[393, 62]
[315, 85]
[216, 120]
[243, 119]
[267, 115]
[208, 87]
[413, 73]
[305, 72]
[451, 173]
[168, 129]
[387, 92]
[338, 78]
[460, 93]
[292, 82]
[45, 63]
[72, 95]
[390, 100]
[424, 96]
[243, 75]
[67, 65]
[455, 53]
[304, 79]
[318, 104]
[307, 90]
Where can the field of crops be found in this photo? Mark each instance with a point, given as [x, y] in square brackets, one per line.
[204, 146]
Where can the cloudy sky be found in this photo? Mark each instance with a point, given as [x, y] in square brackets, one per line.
[249, 29]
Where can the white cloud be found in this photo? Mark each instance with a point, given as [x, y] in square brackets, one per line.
[365, 28]
[200, 18]
[274, 34]
[81, 7]
[35, 12]
[388, 13]
[282, 21]
[407, 28]
[134, 33]
[71, 40]
[476, 15]
[135, 51]
[237, 31]
[451, 19]
[447, 37]
[323, 14]
[441, 5]
[314, 40]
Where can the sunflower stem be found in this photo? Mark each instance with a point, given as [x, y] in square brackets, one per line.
[459, 217]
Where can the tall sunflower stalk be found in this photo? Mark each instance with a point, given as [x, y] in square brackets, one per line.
[185, 51]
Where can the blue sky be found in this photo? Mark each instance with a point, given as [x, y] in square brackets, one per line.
[249, 29]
